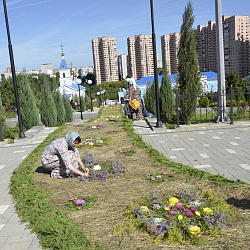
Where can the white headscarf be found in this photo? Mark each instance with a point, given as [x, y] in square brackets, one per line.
[132, 81]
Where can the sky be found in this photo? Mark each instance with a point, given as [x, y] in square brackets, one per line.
[39, 27]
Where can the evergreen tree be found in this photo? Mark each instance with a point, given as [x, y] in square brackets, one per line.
[5, 128]
[83, 104]
[166, 97]
[29, 111]
[48, 108]
[61, 114]
[149, 98]
[68, 109]
[188, 66]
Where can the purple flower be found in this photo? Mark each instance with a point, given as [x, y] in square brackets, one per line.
[71, 199]
[193, 209]
[78, 207]
[182, 209]
[172, 213]
[171, 175]
[165, 179]
[152, 179]
[165, 173]
[124, 151]
[84, 198]
[158, 176]
[189, 214]
[80, 202]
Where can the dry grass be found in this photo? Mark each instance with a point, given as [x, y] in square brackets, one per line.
[114, 195]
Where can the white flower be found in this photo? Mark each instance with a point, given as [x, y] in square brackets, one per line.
[95, 121]
[156, 206]
[158, 220]
[96, 167]
[195, 203]
[94, 127]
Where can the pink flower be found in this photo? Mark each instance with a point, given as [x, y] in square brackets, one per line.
[165, 179]
[78, 207]
[165, 173]
[172, 213]
[189, 214]
[169, 207]
[124, 151]
[71, 199]
[171, 175]
[182, 209]
[193, 209]
[84, 198]
[80, 202]
[152, 179]
[158, 176]
[179, 205]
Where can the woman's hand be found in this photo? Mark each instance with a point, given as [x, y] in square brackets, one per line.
[84, 174]
[86, 170]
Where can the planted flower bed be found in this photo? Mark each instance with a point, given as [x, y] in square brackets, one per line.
[184, 216]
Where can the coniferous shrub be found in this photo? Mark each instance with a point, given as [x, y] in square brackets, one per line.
[61, 114]
[68, 109]
[29, 111]
[47, 107]
[166, 98]
[5, 128]
[83, 104]
[149, 98]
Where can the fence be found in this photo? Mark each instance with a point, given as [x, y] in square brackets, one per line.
[204, 107]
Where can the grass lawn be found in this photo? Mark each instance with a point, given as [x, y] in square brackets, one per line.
[41, 200]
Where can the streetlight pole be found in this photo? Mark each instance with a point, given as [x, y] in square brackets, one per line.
[78, 82]
[89, 83]
[222, 117]
[99, 97]
[158, 122]
[21, 134]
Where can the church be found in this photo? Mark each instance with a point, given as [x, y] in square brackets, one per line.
[68, 84]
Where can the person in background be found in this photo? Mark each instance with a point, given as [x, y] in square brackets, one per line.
[62, 157]
[135, 93]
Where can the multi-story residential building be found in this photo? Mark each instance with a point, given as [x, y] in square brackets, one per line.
[140, 56]
[122, 66]
[236, 36]
[169, 48]
[105, 59]
[47, 68]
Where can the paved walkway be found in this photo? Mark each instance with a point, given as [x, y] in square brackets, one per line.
[14, 234]
[216, 148]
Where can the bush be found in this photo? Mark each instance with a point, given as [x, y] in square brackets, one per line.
[204, 102]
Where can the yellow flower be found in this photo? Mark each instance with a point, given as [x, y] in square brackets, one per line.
[180, 217]
[91, 144]
[144, 209]
[166, 208]
[173, 201]
[194, 230]
[208, 211]
[197, 213]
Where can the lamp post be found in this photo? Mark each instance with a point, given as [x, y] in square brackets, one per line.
[21, 134]
[78, 82]
[89, 82]
[99, 98]
[158, 122]
[102, 93]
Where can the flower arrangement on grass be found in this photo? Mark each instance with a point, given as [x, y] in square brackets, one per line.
[102, 171]
[184, 216]
[125, 151]
[161, 177]
[90, 142]
[80, 203]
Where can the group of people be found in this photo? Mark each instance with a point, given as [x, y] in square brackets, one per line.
[133, 93]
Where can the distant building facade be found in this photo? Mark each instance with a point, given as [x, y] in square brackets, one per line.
[236, 36]
[169, 49]
[140, 56]
[47, 68]
[105, 59]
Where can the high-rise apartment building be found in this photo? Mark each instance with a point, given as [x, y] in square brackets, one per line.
[105, 59]
[236, 35]
[169, 49]
[140, 56]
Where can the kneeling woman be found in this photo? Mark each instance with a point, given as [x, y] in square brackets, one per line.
[62, 157]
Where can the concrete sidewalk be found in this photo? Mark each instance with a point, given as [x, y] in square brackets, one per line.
[213, 147]
[13, 233]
